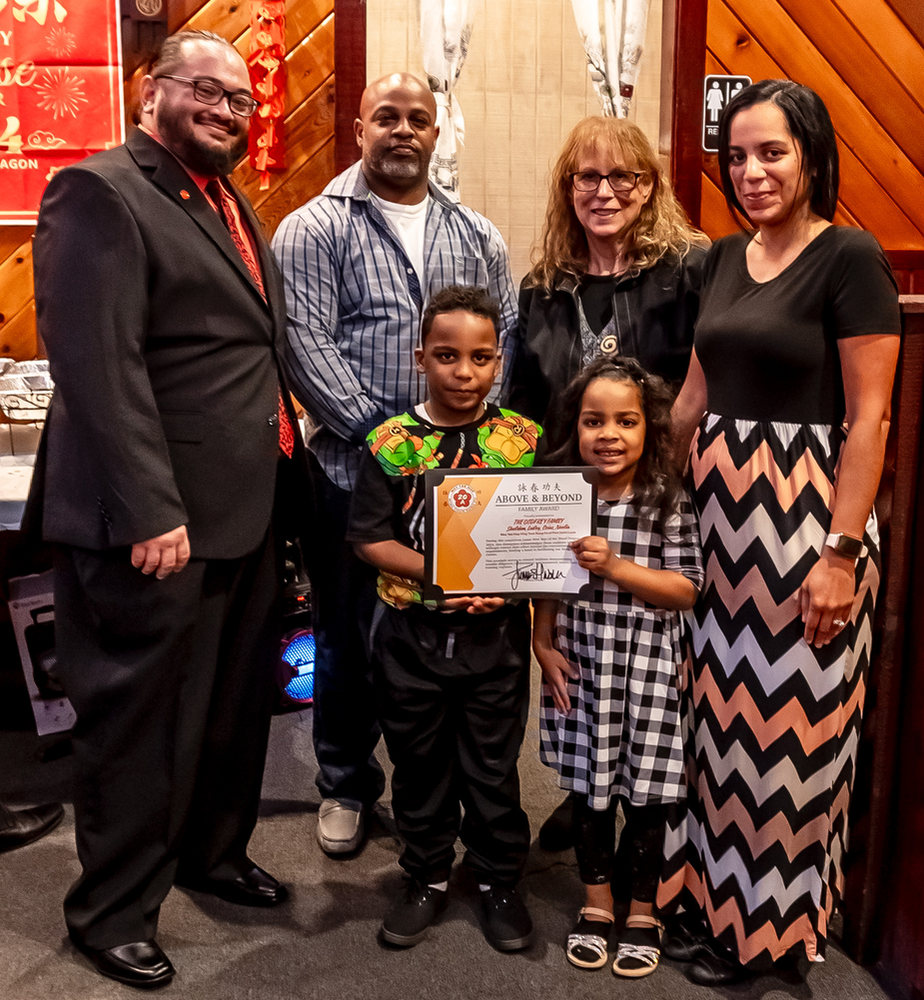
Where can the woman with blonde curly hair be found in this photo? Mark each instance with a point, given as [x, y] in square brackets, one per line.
[617, 270]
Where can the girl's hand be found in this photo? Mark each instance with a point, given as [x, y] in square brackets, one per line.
[594, 554]
[827, 596]
[556, 672]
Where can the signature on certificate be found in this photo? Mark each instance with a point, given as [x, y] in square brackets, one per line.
[532, 571]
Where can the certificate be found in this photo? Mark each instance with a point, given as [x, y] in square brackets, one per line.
[507, 531]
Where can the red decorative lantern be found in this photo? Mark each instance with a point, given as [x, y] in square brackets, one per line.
[267, 64]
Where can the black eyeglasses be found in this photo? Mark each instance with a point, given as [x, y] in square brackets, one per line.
[618, 180]
[208, 92]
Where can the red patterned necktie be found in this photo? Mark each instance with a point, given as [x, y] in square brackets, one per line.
[226, 213]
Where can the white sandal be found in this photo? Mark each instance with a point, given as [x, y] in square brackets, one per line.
[587, 947]
[637, 960]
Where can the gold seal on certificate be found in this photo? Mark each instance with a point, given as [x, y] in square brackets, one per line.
[508, 532]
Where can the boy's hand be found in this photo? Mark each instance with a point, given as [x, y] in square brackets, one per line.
[594, 554]
[474, 605]
[485, 605]
[556, 672]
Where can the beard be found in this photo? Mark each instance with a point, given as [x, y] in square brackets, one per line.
[382, 162]
[176, 133]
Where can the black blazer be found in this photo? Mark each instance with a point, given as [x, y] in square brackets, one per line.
[166, 360]
[657, 310]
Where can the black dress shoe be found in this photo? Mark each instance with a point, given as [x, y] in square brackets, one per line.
[19, 827]
[683, 944]
[256, 888]
[716, 967]
[141, 963]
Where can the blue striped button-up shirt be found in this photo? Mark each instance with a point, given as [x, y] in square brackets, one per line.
[355, 301]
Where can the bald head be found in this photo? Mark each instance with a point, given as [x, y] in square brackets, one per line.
[396, 131]
[400, 82]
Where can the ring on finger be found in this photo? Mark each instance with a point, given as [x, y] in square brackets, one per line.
[838, 622]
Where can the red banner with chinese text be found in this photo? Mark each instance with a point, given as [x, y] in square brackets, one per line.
[60, 93]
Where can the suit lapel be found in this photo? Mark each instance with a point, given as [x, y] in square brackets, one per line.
[275, 301]
[168, 174]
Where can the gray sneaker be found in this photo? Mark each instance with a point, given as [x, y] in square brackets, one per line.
[340, 829]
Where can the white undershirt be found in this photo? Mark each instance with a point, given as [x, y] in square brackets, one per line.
[408, 223]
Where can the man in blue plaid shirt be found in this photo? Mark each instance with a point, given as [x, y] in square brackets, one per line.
[360, 262]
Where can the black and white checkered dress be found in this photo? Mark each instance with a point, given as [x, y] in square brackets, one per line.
[622, 736]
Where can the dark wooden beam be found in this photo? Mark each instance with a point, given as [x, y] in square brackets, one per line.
[876, 914]
[689, 66]
[349, 76]
[889, 909]
[906, 260]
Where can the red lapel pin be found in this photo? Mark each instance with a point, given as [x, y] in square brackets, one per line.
[184, 195]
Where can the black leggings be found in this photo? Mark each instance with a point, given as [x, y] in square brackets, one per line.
[594, 839]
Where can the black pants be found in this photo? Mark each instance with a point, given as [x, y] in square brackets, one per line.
[453, 698]
[595, 837]
[172, 681]
[345, 724]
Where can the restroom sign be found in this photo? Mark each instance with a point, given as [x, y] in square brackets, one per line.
[717, 92]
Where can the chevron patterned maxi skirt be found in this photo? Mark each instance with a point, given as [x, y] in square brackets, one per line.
[773, 723]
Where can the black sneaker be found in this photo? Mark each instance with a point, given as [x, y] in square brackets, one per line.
[507, 924]
[409, 919]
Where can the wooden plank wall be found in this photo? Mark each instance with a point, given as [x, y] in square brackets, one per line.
[309, 143]
[17, 309]
[866, 60]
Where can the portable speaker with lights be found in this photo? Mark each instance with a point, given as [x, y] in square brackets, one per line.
[296, 654]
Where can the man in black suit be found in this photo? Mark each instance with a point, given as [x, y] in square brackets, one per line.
[163, 315]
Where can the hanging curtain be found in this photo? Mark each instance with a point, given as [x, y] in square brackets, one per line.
[445, 30]
[613, 45]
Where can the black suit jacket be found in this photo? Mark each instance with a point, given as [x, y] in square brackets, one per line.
[166, 360]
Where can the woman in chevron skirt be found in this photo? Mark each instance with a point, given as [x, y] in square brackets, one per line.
[788, 395]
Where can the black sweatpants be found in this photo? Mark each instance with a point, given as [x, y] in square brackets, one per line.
[453, 694]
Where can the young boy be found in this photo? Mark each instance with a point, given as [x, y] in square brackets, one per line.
[452, 679]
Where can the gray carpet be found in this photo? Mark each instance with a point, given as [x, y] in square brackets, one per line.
[322, 943]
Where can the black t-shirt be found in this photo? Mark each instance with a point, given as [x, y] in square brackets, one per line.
[596, 291]
[769, 349]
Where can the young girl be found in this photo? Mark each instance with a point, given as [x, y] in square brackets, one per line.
[611, 664]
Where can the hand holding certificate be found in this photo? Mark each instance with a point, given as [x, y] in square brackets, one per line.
[507, 532]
